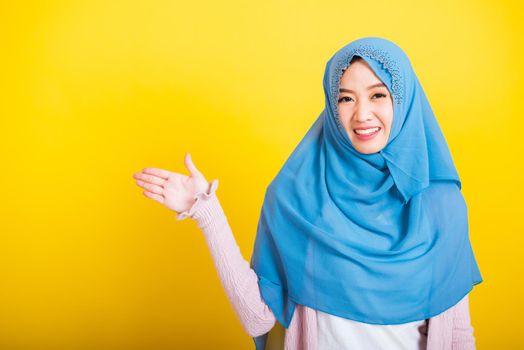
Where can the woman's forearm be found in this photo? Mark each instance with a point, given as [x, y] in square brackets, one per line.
[463, 338]
[239, 280]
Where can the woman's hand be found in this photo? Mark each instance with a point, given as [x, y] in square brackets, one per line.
[176, 191]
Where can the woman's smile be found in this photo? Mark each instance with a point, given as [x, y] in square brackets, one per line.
[366, 133]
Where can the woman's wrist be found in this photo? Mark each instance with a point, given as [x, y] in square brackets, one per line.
[205, 204]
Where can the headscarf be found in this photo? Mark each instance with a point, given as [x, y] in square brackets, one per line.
[378, 238]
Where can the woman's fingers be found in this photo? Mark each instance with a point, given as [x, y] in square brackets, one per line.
[164, 174]
[153, 179]
[188, 162]
[150, 187]
[156, 197]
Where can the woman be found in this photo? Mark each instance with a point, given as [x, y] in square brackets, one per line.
[362, 241]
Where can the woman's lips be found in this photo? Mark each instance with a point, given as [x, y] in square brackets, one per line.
[367, 136]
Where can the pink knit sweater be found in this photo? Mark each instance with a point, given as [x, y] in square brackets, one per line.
[449, 330]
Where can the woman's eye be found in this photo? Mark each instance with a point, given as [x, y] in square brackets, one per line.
[347, 98]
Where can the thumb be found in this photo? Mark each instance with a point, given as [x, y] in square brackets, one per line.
[190, 166]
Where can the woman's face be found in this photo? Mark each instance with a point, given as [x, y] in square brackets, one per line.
[365, 104]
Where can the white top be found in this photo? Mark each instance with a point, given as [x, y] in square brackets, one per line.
[337, 333]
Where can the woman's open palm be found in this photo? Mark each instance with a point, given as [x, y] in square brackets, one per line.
[176, 191]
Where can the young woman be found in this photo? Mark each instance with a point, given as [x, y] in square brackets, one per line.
[362, 241]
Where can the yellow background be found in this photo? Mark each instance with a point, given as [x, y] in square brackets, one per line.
[93, 91]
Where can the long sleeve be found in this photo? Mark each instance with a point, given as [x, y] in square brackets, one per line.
[463, 338]
[239, 280]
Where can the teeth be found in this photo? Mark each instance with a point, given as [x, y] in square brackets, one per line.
[366, 131]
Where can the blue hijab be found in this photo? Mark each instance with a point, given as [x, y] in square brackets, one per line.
[379, 238]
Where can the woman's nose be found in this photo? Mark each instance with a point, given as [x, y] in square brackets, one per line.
[363, 114]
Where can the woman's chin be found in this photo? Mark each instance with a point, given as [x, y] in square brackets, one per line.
[367, 148]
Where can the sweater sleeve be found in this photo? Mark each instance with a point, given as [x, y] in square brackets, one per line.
[463, 338]
[238, 279]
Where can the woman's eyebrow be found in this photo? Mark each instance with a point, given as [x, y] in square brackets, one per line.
[369, 87]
